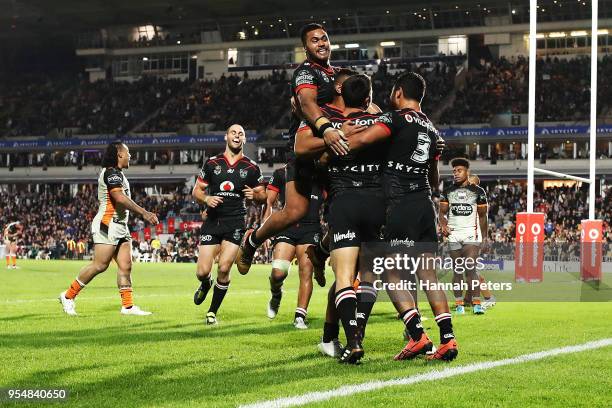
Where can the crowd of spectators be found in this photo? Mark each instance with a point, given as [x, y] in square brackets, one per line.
[501, 86]
[52, 215]
[34, 106]
[254, 103]
[37, 105]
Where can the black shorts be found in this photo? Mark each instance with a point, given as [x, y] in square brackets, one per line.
[411, 219]
[303, 173]
[356, 217]
[300, 234]
[215, 230]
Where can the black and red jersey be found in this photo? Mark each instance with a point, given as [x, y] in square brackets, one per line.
[412, 146]
[228, 180]
[359, 170]
[314, 76]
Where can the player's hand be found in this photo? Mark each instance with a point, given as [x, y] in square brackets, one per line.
[213, 201]
[150, 218]
[350, 127]
[336, 141]
[445, 230]
[248, 192]
[440, 145]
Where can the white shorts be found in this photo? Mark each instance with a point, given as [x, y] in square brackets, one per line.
[458, 238]
[117, 233]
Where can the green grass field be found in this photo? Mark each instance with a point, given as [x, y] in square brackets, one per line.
[172, 359]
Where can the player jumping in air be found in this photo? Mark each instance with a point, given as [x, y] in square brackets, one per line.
[111, 235]
[410, 174]
[223, 184]
[11, 234]
[463, 219]
[312, 86]
[292, 243]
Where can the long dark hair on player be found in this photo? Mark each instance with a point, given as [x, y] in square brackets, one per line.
[308, 28]
[110, 158]
[412, 85]
[356, 90]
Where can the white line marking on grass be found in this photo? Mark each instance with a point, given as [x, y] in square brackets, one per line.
[348, 390]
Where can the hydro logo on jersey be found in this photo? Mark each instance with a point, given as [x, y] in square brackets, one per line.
[462, 209]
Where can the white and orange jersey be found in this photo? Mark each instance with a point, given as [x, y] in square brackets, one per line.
[463, 203]
[10, 229]
[110, 179]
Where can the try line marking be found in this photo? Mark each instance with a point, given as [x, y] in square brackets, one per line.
[434, 375]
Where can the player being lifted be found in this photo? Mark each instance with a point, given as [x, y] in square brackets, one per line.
[357, 209]
[410, 173]
[291, 243]
[11, 234]
[223, 184]
[463, 219]
[111, 236]
[312, 86]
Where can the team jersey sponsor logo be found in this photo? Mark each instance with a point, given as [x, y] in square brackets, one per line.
[303, 78]
[358, 121]
[230, 171]
[226, 186]
[462, 209]
[357, 168]
[403, 242]
[206, 238]
[114, 179]
[393, 165]
[349, 235]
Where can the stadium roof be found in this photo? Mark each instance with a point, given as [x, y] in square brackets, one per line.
[32, 18]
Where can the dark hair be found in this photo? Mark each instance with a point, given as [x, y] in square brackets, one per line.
[460, 161]
[344, 72]
[110, 155]
[412, 85]
[355, 90]
[308, 28]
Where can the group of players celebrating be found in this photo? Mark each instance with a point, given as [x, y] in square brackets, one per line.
[375, 172]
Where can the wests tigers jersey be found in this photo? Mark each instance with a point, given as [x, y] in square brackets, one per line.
[110, 179]
[463, 202]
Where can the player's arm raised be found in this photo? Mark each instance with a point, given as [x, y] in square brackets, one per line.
[307, 100]
[119, 198]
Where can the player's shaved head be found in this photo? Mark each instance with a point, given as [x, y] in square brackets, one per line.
[343, 73]
[236, 127]
[356, 91]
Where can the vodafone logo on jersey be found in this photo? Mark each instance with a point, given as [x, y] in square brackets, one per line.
[226, 186]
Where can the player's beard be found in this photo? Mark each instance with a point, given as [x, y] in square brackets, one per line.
[315, 58]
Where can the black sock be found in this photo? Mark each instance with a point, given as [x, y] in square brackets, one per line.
[412, 321]
[330, 331]
[446, 327]
[300, 312]
[366, 296]
[346, 304]
[218, 295]
[276, 287]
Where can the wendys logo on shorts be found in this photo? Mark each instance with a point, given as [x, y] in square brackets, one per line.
[226, 186]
